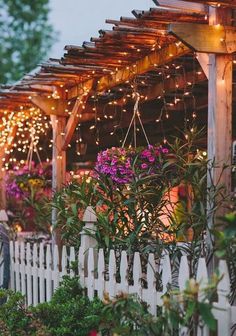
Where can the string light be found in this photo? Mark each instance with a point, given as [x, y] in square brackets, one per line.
[15, 132]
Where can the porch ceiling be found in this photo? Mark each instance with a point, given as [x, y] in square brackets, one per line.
[138, 54]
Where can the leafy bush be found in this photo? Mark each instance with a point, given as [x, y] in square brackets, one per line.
[16, 319]
[70, 203]
[70, 312]
[128, 316]
[141, 215]
[226, 247]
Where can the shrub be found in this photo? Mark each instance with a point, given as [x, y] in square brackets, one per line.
[70, 312]
[16, 319]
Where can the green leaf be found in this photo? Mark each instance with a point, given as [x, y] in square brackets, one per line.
[207, 316]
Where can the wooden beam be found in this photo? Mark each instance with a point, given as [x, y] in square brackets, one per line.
[149, 62]
[50, 106]
[225, 3]
[216, 39]
[75, 115]
[203, 60]
[182, 5]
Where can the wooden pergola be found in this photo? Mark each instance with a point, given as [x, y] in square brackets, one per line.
[84, 85]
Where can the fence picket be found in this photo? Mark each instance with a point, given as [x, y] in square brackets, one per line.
[90, 278]
[72, 261]
[12, 266]
[22, 268]
[55, 268]
[111, 288]
[222, 308]
[35, 269]
[64, 262]
[202, 278]
[166, 272]
[29, 296]
[182, 279]
[137, 275]
[17, 267]
[48, 273]
[124, 285]
[41, 274]
[81, 266]
[100, 282]
[151, 297]
[183, 272]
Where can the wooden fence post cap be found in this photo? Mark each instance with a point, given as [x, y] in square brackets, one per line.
[89, 215]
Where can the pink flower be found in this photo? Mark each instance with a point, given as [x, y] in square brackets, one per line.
[165, 150]
[144, 166]
[93, 333]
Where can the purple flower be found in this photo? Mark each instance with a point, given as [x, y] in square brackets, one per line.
[151, 159]
[144, 166]
[121, 164]
[165, 150]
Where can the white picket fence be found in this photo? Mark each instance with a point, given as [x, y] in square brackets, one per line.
[35, 273]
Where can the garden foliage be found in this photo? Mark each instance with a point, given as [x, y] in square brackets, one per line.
[70, 313]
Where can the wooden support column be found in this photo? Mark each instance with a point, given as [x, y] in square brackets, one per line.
[219, 41]
[3, 201]
[219, 114]
[58, 165]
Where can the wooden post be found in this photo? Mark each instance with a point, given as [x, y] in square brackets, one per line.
[58, 165]
[90, 219]
[87, 241]
[219, 113]
[3, 202]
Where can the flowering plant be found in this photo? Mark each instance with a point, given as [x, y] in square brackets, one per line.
[123, 165]
[20, 183]
[28, 192]
[116, 164]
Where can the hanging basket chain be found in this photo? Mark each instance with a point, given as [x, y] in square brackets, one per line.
[32, 148]
[136, 113]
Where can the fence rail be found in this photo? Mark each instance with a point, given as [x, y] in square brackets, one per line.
[35, 273]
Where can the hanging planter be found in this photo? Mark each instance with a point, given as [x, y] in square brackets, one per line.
[122, 165]
[22, 182]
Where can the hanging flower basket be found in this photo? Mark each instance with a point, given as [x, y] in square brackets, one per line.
[20, 183]
[122, 165]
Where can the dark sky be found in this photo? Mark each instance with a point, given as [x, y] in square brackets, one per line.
[78, 20]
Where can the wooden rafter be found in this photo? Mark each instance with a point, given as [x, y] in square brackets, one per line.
[202, 38]
[225, 3]
[75, 115]
[182, 5]
[50, 106]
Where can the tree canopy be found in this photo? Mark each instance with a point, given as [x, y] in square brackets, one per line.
[26, 36]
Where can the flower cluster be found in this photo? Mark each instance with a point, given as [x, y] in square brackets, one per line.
[149, 159]
[19, 183]
[122, 165]
[116, 164]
